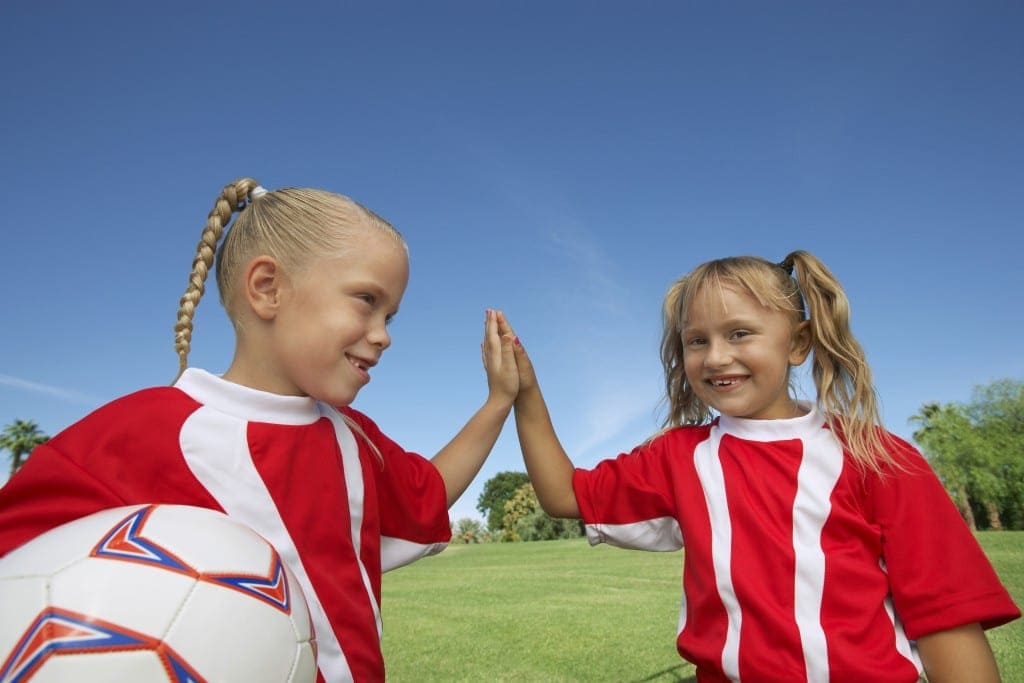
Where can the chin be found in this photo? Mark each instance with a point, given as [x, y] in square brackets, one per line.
[338, 399]
[341, 401]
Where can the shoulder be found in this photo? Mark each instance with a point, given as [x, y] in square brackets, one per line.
[166, 402]
[677, 437]
[905, 460]
[365, 428]
[362, 420]
[660, 451]
[356, 415]
[674, 441]
[138, 413]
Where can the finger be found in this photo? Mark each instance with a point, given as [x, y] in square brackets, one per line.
[508, 350]
[504, 327]
[492, 340]
[522, 358]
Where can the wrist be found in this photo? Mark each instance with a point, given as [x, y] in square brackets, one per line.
[499, 402]
[527, 394]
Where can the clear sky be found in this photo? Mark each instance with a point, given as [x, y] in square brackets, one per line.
[562, 161]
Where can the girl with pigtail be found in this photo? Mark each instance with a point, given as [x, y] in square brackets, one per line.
[310, 281]
[818, 546]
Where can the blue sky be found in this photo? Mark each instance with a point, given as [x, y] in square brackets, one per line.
[562, 161]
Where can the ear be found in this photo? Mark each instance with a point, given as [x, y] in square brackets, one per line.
[264, 282]
[801, 344]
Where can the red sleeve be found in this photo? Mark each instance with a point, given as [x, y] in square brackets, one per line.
[632, 487]
[410, 491]
[629, 501]
[939, 575]
[49, 490]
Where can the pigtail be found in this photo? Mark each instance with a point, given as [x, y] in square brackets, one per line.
[232, 198]
[684, 408]
[842, 377]
[672, 353]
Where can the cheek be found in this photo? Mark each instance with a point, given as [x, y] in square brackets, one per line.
[691, 367]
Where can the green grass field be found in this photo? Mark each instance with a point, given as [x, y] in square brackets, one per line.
[563, 611]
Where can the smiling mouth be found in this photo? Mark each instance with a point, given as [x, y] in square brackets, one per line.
[360, 364]
[725, 381]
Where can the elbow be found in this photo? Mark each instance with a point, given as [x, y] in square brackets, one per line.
[562, 507]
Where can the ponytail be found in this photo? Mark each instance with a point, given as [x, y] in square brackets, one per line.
[233, 198]
[845, 392]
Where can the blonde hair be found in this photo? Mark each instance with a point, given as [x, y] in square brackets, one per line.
[802, 286]
[292, 225]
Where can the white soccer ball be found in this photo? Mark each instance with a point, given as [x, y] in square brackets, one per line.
[152, 593]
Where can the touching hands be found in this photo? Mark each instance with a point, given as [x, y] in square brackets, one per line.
[461, 458]
[499, 358]
[527, 376]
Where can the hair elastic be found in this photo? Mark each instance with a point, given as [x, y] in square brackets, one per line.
[256, 192]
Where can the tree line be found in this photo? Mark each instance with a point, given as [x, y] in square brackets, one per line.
[18, 439]
[977, 450]
[513, 514]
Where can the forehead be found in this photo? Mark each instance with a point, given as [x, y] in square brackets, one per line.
[370, 255]
[366, 246]
[716, 301]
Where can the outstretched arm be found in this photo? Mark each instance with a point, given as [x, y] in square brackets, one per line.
[461, 459]
[958, 655]
[547, 464]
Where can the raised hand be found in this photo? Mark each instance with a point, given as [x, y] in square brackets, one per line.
[460, 460]
[527, 376]
[499, 358]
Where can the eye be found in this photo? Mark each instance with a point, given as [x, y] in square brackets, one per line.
[369, 299]
[389, 319]
[739, 334]
[694, 341]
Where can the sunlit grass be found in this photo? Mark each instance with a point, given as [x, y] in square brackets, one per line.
[563, 611]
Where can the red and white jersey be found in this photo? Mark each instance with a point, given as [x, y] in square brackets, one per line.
[798, 565]
[289, 467]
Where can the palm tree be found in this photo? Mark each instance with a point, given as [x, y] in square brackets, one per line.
[19, 438]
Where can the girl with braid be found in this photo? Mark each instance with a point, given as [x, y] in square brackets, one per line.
[818, 547]
[310, 281]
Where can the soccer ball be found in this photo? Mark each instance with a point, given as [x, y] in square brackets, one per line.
[152, 593]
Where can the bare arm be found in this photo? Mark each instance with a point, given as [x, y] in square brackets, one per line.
[547, 464]
[958, 655]
[461, 459]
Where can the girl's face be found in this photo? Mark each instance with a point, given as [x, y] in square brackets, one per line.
[330, 329]
[737, 354]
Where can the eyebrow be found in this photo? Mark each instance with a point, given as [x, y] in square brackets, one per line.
[736, 321]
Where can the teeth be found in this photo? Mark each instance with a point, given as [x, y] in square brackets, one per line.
[723, 382]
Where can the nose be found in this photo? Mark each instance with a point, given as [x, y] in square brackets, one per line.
[378, 334]
[717, 355]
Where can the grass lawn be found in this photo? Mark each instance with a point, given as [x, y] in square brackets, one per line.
[563, 611]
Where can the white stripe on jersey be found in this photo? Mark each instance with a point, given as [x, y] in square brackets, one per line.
[812, 505]
[712, 481]
[903, 644]
[661, 534]
[398, 552]
[353, 470]
[232, 479]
